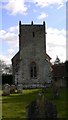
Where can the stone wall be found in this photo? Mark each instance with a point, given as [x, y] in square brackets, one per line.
[32, 48]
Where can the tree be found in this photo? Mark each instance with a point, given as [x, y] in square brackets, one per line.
[66, 65]
[4, 68]
[57, 61]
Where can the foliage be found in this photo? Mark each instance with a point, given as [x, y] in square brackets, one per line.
[66, 65]
[57, 61]
[7, 78]
[4, 68]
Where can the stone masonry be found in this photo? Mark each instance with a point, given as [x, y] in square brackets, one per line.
[30, 65]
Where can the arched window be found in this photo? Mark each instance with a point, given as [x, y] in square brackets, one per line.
[33, 70]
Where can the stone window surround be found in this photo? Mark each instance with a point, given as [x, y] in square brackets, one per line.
[33, 70]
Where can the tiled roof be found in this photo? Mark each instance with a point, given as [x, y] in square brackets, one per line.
[16, 58]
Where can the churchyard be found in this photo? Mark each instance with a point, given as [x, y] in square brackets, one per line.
[14, 106]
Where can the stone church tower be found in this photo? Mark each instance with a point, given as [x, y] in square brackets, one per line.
[30, 65]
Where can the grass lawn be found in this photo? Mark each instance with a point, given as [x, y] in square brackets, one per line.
[14, 106]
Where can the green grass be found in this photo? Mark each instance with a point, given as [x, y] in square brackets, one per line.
[14, 106]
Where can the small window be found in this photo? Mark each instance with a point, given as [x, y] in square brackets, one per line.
[33, 34]
[33, 70]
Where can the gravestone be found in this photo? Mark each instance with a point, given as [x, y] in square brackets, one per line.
[19, 88]
[41, 109]
[12, 89]
[6, 89]
[56, 88]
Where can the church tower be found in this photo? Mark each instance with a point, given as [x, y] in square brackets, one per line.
[33, 67]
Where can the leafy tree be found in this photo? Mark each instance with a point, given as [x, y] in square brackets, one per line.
[4, 68]
[66, 65]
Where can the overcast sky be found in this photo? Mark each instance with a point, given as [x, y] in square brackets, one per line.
[53, 12]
